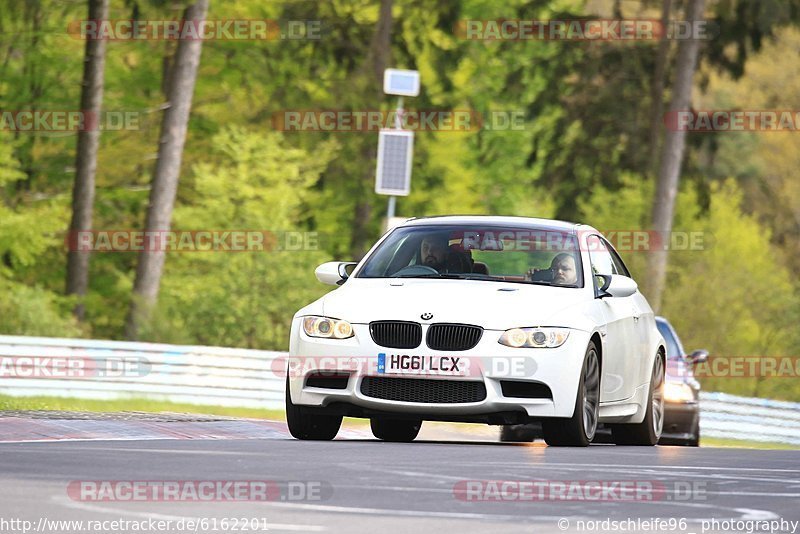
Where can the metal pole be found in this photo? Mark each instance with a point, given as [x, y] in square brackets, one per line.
[398, 125]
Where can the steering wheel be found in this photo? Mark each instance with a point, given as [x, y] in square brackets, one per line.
[416, 270]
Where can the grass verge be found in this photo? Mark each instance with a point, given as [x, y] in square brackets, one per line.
[8, 402]
[745, 444]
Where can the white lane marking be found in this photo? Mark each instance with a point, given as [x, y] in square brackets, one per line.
[279, 435]
[168, 517]
[146, 449]
[411, 513]
[756, 515]
[648, 471]
[655, 472]
[747, 513]
[412, 474]
[642, 501]
[689, 467]
[57, 440]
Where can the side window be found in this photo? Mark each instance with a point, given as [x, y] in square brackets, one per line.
[600, 258]
[618, 265]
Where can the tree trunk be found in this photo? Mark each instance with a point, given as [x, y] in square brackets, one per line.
[657, 90]
[671, 160]
[378, 60]
[86, 159]
[168, 165]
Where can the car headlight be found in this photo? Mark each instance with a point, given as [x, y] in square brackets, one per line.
[316, 326]
[534, 337]
[678, 392]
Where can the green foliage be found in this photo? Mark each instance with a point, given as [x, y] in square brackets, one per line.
[243, 299]
[580, 153]
[30, 310]
[26, 231]
[732, 294]
[734, 297]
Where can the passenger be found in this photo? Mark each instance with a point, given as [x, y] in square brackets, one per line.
[564, 269]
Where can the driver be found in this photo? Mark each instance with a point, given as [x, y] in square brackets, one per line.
[433, 251]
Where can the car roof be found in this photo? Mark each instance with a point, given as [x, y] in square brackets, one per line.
[495, 220]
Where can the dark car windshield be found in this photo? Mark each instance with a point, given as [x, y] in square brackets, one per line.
[674, 347]
[476, 252]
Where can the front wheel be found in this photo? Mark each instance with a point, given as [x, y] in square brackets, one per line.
[399, 430]
[649, 430]
[579, 430]
[309, 426]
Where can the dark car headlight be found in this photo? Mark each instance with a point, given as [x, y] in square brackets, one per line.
[678, 392]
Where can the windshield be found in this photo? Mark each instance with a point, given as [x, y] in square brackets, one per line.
[523, 255]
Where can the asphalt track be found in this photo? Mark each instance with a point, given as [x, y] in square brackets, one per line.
[375, 487]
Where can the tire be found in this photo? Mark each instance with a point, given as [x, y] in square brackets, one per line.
[397, 430]
[309, 426]
[579, 430]
[648, 432]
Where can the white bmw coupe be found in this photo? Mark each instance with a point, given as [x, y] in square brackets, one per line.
[499, 320]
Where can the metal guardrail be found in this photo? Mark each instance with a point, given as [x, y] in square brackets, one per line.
[729, 416]
[176, 373]
[253, 379]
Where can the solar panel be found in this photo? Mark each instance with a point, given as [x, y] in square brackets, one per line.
[395, 153]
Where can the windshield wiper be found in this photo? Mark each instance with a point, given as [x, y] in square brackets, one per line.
[452, 276]
[471, 276]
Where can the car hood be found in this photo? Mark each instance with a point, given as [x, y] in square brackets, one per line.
[492, 305]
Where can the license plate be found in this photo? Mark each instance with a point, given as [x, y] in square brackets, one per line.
[410, 364]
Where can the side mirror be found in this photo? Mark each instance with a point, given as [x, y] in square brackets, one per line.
[698, 356]
[616, 285]
[334, 273]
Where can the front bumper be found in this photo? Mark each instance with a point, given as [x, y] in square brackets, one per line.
[680, 422]
[490, 363]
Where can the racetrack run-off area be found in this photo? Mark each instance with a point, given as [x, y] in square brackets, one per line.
[358, 484]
